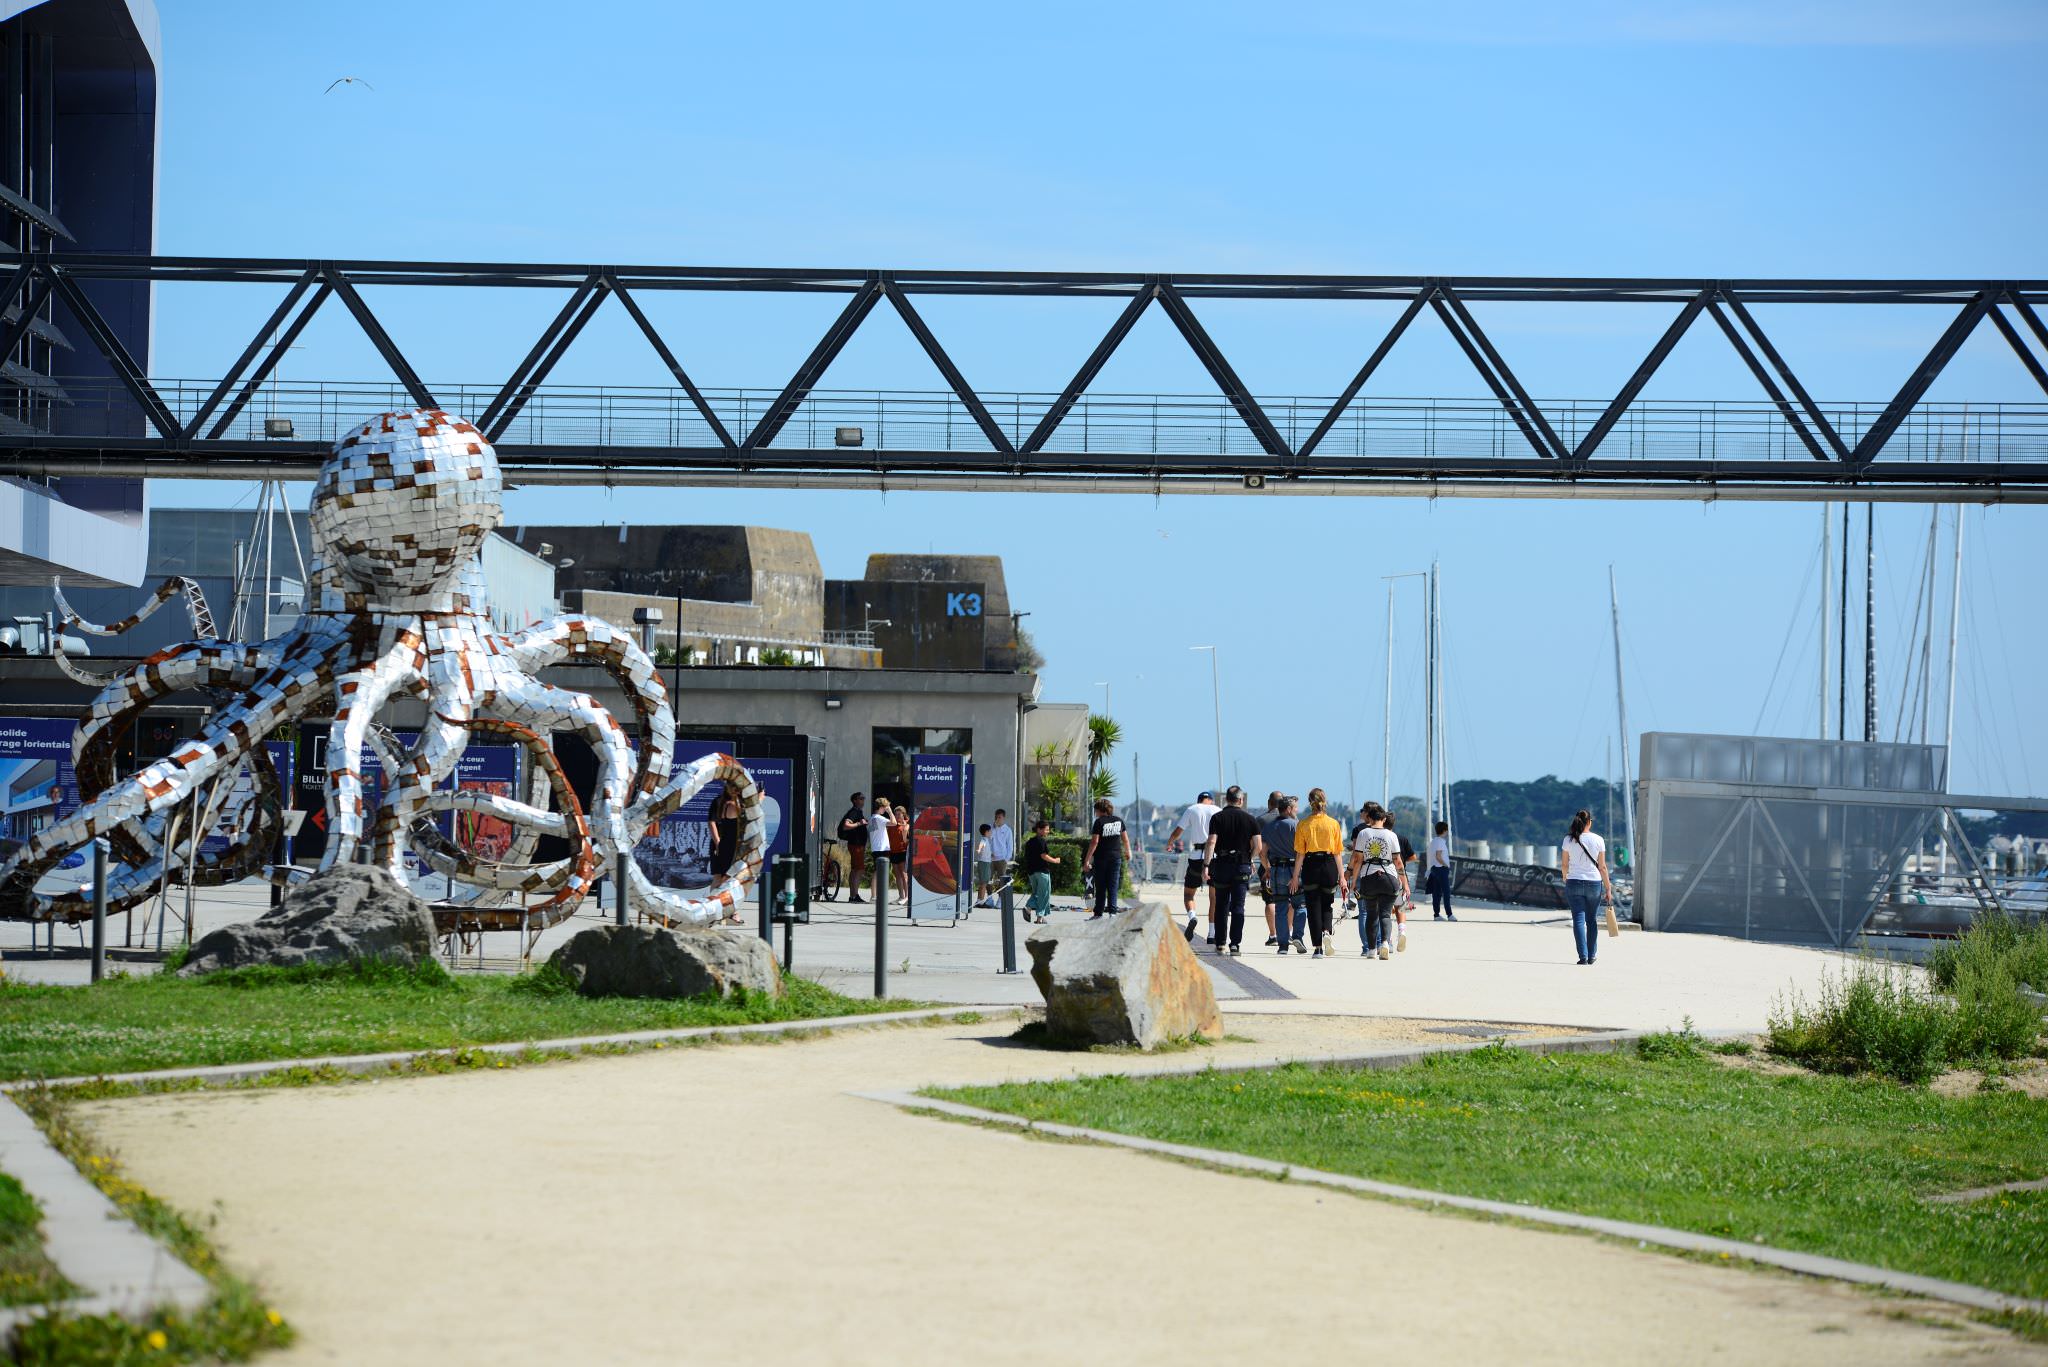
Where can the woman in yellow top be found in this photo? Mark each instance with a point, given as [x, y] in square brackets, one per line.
[1317, 843]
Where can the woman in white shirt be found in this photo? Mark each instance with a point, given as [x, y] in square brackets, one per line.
[1585, 881]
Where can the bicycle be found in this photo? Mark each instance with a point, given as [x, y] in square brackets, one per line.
[826, 889]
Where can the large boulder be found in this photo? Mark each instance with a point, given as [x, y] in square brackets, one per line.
[649, 961]
[1125, 979]
[351, 911]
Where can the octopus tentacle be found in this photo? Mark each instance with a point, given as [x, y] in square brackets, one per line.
[359, 694]
[599, 642]
[668, 907]
[158, 787]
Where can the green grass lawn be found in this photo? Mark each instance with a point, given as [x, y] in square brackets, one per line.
[27, 1277]
[1830, 1165]
[128, 1024]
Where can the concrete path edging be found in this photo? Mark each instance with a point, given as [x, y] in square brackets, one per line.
[1808, 1264]
[120, 1269]
[574, 1044]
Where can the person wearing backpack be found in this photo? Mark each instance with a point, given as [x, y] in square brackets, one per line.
[1378, 873]
[1585, 883]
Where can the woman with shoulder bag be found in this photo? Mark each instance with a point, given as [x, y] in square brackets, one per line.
[1317, 843]
[1585, 883]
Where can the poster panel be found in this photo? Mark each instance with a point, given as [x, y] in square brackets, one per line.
[937, 795]
[677, 853]
[777, 778]
[38, 787]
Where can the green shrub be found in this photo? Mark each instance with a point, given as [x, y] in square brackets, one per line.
[1873, 1021]
[1683, 1045]
[1992, 1019]
[1994, 938]
[1066, 875]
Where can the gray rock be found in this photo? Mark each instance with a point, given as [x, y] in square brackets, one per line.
[352, 911]
[650, 961]
[1126, 979]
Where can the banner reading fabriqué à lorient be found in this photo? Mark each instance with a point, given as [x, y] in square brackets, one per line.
[938, 798]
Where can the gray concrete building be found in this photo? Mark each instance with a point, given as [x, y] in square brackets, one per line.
[725, 595]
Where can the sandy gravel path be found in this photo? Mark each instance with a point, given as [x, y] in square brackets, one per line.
[735, 1205]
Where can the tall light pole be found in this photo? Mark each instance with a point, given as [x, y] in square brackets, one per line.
[1216, 697]
[1387, 722]
[1103, 684]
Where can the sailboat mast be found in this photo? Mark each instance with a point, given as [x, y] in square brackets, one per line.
[1826, 537]
[1870, 621]
[1842, 641]
[1955, 611]
[1628, 797]
[1927, 640]
[1429, 700]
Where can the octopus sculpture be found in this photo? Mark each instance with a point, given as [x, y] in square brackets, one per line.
[399, 516]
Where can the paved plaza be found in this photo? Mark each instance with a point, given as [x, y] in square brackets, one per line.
[1495, 963]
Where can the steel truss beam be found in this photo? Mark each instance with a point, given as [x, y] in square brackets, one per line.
[39, 277]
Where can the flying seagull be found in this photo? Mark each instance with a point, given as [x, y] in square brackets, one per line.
[349, 80]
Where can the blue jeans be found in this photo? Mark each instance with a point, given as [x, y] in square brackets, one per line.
[1439, 882]
[1290, 911]
[1233, 879]
[1583, 894]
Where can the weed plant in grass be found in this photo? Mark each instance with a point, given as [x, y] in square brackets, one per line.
[1878, 1019]
[27, 1276]
[1993, 939]
[1830, 1165]
[130, 1024]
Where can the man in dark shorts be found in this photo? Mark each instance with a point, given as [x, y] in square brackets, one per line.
[1194, 825]
[853, 829]
[1233, 844]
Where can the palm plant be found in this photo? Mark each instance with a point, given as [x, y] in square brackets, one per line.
[1103, 735]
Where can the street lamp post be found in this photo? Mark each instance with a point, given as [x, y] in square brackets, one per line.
[1216, 698]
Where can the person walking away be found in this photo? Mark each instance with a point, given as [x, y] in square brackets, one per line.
[1194, 826]
[1406, 902]
[1377, 874]
[1233, 844]
[1002, 848]
[881, 828]
[1585, 883]
[1318, 841]
[1039, 861]
[1109, 847]
[981, 867]
[1290, 910]
[853, 831]
[1263, 871]
[1436, 873]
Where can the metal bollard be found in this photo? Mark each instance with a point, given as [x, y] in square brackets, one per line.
[1009, 915]
[99, 911]
[625, 876]
[881, 929]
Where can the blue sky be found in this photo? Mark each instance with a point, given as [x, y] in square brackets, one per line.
[1729, 139]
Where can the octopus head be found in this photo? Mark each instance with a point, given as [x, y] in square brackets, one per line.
[403, 505]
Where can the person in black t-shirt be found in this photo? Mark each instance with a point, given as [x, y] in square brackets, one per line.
[1109, 845]
[853, 829]
[1234, 842]
[1039, 861]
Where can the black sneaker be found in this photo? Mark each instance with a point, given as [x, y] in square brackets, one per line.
[1299, 947]
[1272, 940]
[1317, 955]
[1283, 947]
[857, 900]
[1190, 931]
